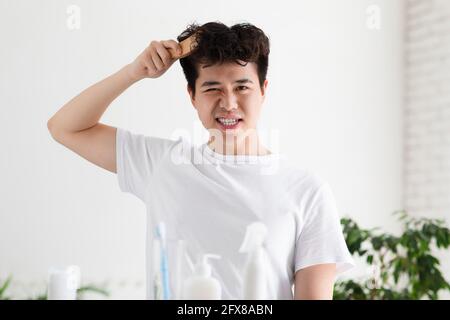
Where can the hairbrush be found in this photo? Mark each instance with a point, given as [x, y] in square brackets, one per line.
[187, 45]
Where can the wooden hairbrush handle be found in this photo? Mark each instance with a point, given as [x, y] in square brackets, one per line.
[186, 47]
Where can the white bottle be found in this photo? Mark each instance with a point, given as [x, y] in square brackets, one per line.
[255, 275]
[201, 286]
[63, 283]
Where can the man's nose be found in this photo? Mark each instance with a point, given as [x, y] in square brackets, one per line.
[228, 101]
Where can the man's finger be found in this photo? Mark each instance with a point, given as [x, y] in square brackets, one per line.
[172, 44]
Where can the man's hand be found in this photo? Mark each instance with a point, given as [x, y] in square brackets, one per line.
[155, 60]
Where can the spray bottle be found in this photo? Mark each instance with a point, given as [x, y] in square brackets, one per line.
[255, 277]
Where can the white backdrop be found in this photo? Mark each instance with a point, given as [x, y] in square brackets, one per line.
[334, 96]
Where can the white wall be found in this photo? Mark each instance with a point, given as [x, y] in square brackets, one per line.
[427, 113]
[335, 97]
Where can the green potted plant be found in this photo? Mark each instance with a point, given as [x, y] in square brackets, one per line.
[407, 257]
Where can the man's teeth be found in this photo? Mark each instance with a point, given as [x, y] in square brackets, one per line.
[228, 121]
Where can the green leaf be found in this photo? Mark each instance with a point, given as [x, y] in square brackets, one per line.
[377, 243]
[4, 287]
[91, 288]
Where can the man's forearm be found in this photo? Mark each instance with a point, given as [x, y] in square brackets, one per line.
[85, 110]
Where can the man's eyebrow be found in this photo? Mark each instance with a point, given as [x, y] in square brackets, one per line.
[212, 83]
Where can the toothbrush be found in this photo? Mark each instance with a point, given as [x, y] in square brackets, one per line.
[161, 235]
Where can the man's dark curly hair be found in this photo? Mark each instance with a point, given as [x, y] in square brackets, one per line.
[216, 43]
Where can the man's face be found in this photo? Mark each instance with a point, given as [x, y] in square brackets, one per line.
[228, 91]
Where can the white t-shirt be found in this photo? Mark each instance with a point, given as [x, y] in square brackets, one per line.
[208, 200]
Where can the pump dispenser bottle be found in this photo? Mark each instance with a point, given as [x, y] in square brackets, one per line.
[201, 286]
[255, 275]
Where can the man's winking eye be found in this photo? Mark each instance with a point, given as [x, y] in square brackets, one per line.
[240, 88]
[215, 83]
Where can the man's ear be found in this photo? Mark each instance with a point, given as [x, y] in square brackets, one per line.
[191, 96]
[263, 89]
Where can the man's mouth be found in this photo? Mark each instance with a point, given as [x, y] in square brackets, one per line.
[228, 123]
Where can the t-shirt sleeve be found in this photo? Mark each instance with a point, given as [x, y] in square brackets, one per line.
[137, 158]
[321, 239]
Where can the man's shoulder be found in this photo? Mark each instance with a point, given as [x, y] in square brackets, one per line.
[308, 177]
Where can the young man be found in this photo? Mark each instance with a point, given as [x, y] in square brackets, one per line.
[208, 195]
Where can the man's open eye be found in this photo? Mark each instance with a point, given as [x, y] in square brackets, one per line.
[243, 87]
